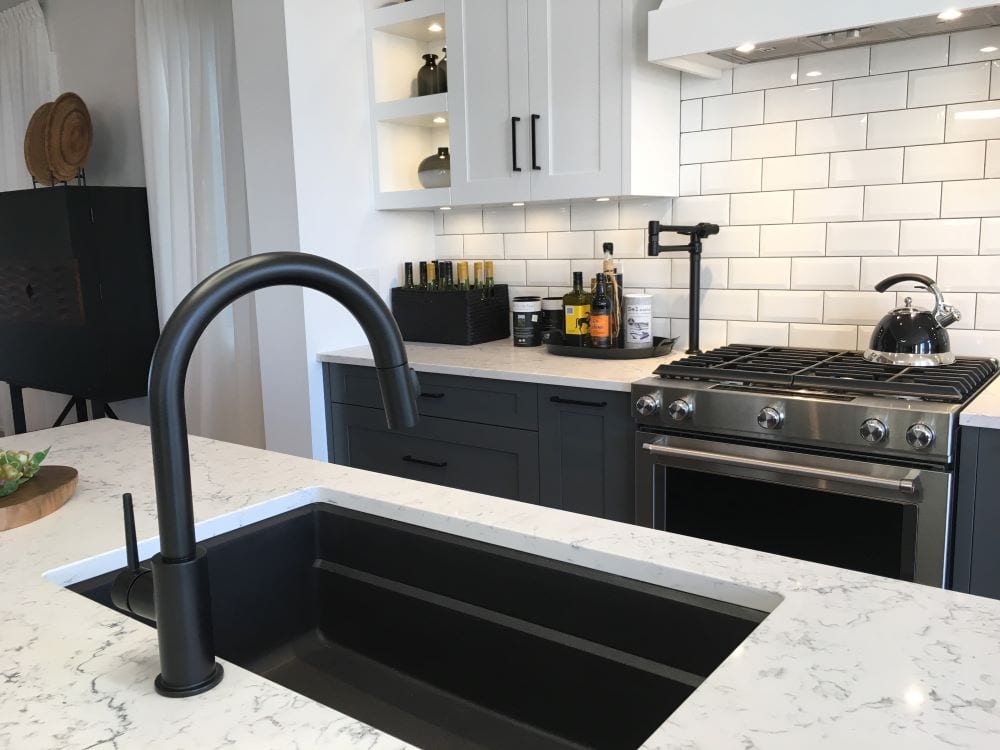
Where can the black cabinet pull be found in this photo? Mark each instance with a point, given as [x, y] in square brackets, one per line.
[431, 395]
[513, 140]
[422, 462]
[534, 142]
[575, 402]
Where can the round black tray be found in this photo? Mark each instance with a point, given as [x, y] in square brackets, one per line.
[660, 347]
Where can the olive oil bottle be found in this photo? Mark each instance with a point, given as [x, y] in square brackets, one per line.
[576, 313]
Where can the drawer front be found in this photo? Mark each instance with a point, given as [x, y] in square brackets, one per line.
[494, 402]
[481, 458]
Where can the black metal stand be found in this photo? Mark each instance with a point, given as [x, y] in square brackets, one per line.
[98, 409]
[81, 181]
[697, 233]
[17, 407]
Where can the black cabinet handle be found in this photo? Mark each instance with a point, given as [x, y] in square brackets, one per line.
[534, 142]
[431, 395]
[422, 462]
[575, 402]
[513, 140]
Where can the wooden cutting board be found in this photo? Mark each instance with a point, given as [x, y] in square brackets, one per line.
[46, 493]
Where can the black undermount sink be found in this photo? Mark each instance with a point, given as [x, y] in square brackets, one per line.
[450, 643]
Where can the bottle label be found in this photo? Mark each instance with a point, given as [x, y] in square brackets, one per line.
[577, 320]
[600, 326]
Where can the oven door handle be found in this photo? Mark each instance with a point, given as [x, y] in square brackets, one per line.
[904, 486]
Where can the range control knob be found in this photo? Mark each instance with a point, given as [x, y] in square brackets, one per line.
[919, 436]
[680, 410]
[770, 418]
[873, 430]
[648, 405]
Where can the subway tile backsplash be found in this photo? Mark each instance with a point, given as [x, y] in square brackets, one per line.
[827, 173]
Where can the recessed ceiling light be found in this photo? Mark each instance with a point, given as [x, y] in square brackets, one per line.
[949, 15]
[446, 208]
[746, 47]
[439, 120]
[602, 200]
[435, 27]
[814, 73]
[991, 48]
[519, 203]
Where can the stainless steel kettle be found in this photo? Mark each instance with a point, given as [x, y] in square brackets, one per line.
[910, 336]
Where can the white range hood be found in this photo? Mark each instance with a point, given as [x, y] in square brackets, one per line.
[702, 36]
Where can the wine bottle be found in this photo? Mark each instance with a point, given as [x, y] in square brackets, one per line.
[423, 276]
[477, 270]
[432, 278]
[407, 276]
[463, 275]
[600, 316]
[576, 313]
[488, 282]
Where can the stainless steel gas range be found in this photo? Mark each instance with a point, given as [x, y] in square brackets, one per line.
[809, 453]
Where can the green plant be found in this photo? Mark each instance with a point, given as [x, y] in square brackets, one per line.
[17, 467]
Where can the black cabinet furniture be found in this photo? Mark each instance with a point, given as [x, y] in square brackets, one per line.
[569, 448]
[976, 567]
[77, 297]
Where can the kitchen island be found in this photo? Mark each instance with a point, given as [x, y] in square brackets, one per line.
[842, 660]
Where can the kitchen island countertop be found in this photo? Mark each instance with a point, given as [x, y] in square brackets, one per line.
[844, 660]
[984, 409]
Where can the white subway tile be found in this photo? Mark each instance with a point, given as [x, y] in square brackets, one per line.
[831, 134]
[798, 102]
[989, 239]
[923, 52]
[571, 244]
[873, 270]
[670, 303]
[712, 333]
[946, 161]
[503, 219]
[526, 245]
[729, 304]
[760, 273]
[463, 221]
[967, 46]
[822, 336]
[714, 273]
[877, 166]
[906, 127]
[969, 274]
[484, 246]
[593, 215]
[970, 198]
[791, 172]
[949, 85]
[733, 110]
[863, 238]
[764, 140]
[589, 267]
[733, 242]
[765, 75]
[791, 307]
[527, 291]
[988, 312]
[993, 159]
[758, 334]
[690, 179]
[629, 243]
[965, 302]
[864, 336]
[917, 200]
[761, 208]
[974, 122]
[939, 237]
[636, 213]
[708, 145]
[509, 272]
[730, 177]
[548, 272]
[448, 246]
[690, 115]
[830, 204]
[854, 308]
[825, 273]
[790, 240]
[693, 209]
[975, 343]
[871, 94]
[695, 87]
[546, 217]
[647, 272]
[827, 66]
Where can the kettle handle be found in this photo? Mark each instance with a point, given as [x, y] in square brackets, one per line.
[893, 280]
[944, 314]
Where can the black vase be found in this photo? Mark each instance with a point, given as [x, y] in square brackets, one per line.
[443, 70]
[435, 170]
[429, 77]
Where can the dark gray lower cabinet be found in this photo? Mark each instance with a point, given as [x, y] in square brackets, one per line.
[977, 515]
[585, 445]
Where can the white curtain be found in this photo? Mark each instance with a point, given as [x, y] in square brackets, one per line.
[27, 80]
[193, 153]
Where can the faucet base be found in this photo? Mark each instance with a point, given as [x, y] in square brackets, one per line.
[187, 691]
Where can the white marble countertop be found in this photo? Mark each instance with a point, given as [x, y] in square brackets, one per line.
[844, 660]
[984, 409]
[501, 360]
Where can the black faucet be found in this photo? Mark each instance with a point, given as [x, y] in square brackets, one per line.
[697, 233]
[175, 593]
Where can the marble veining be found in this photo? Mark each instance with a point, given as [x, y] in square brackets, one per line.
[844, 660]
[984, 409]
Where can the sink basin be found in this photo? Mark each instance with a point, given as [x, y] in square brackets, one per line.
[447, 642]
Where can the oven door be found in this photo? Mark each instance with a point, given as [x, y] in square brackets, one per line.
[872, 517]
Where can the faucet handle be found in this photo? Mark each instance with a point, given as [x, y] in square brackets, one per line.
[131, 544]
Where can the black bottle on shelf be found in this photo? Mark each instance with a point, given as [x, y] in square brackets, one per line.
[443, 70]
[429, 77]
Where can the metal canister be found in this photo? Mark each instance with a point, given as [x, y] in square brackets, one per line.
[638, 321]
[552, 317]
[527, 321]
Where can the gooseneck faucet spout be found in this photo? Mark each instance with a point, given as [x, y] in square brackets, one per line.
[176, 595]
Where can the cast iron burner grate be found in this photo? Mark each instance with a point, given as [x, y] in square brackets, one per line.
[832, 372]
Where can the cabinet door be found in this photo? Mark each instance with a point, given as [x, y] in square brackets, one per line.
[487, 87]
[585, 449]
[575, 68]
